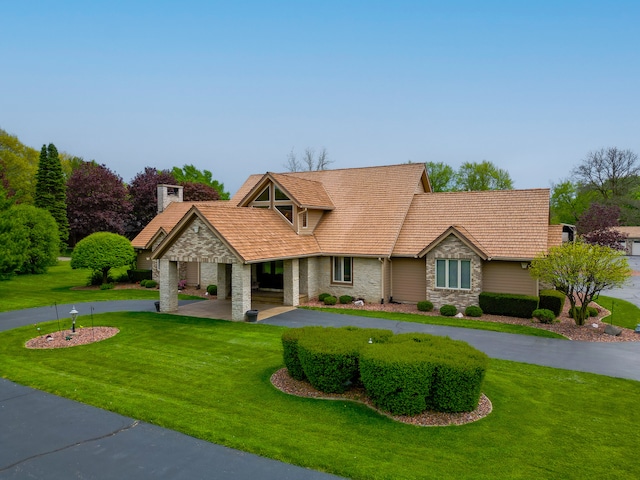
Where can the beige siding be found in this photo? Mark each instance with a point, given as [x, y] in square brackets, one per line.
[144, 261]
[193, 273]
[408, 279]
[507, 277]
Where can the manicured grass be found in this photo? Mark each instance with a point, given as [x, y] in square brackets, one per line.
[447, 321]
[55, 286]
[210, 379]
[624, 314]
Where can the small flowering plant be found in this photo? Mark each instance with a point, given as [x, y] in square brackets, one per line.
[182, 284]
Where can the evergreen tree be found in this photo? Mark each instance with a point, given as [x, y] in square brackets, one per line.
[51, 191]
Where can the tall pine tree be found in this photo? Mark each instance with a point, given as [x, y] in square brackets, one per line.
[51, 191]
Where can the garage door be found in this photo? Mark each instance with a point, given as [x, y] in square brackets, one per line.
[409, 279]
[635, 247]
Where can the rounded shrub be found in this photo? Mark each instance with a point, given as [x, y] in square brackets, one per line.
[290, 340]
[591, 311]
[398, 376]
[106, 286]
[330, 357]
[150, 284]
[143, 282]
[345, 299]
[552, 300]
[473, 311]
[330, 300]
[322, 296]
[425, 306]
[544, 315]
[448, 310]
[212, 289]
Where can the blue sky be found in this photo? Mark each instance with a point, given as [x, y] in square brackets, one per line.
[233, 87]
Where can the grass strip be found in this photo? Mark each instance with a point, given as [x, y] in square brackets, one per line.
[57, 286]
[210, 379]
[623, 314]
[446, 321]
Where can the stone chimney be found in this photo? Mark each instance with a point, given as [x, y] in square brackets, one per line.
[168, 194]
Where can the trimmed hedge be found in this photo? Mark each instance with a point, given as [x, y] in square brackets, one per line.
[591, 311]
[544, 315]
[473, 311]
[150, 284]
[212, 289]
[552, 300]
[137, 275]
[448, 310]
[330, 300]
[345, 299]
[404, 374]
[521, 306]
[425, 306]
[322, 296]
[330, 357]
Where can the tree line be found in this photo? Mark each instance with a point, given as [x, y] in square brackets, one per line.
[49, 201]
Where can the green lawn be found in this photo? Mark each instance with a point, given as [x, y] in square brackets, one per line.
[210, 379]
[623, 313]
[27, 291]
[447, 321]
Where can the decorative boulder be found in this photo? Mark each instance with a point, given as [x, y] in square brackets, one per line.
[611, 330]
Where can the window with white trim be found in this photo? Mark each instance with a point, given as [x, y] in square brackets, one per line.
[342, 270]
[454, 274]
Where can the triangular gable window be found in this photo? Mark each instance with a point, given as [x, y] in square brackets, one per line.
[279, 194]
[264, 196]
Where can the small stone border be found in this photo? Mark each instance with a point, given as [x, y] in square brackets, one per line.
[283, 382]
[67, 338]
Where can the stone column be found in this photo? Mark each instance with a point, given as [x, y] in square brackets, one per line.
[223, 288]
[168, 286]
[208, 274]
[240, 291]
[292, 282]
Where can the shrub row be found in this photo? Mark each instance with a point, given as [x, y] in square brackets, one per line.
[404, 374]
[148, 283]
[329, 299]
[508, 304]
[137, 275]
[552, 300]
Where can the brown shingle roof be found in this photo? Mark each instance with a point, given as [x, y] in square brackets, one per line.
[370, 205]
[257, 233]
[632, 232]
[165, 221]
[506, 224]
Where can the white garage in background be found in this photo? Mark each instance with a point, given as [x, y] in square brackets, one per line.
[632, 246]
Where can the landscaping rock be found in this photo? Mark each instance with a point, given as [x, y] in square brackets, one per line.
[611, 330]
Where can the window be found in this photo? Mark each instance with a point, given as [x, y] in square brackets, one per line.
[342, 268]
[286, 211]
[453, 274]
[264, 196]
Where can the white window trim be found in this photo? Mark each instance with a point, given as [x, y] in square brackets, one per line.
[446, 273]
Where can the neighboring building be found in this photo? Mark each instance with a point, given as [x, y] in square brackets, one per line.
[631, 244]
[375, 233]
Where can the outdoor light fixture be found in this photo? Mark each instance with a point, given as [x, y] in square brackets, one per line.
[524, 265]
[196, 228]
[74, 315]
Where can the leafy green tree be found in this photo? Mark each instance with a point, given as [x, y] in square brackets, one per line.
[13, 239]
[568, 202]
[581, 271]
[51, 191]
[18, 165]
[190, 174]
[482, 176]
[42, 243]
[101, 252]
[441, 176]
[70, 163]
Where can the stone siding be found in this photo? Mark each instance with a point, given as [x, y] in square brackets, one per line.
[203, 246]
[452, 248]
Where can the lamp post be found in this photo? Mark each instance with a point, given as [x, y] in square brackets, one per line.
[74, 315]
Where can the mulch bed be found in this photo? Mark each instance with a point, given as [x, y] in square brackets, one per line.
[283, 382]
[67, 338]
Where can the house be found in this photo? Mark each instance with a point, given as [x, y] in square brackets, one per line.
[376, 233]
[631, 245]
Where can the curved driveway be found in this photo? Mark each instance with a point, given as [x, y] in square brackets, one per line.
[45, 436]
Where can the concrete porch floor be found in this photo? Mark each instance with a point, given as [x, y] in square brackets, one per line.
[221, 309]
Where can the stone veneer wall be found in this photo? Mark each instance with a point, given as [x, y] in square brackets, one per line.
[452, 248]
[203, 247]
[367, 279]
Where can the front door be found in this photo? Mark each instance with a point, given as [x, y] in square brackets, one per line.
[270, 275]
